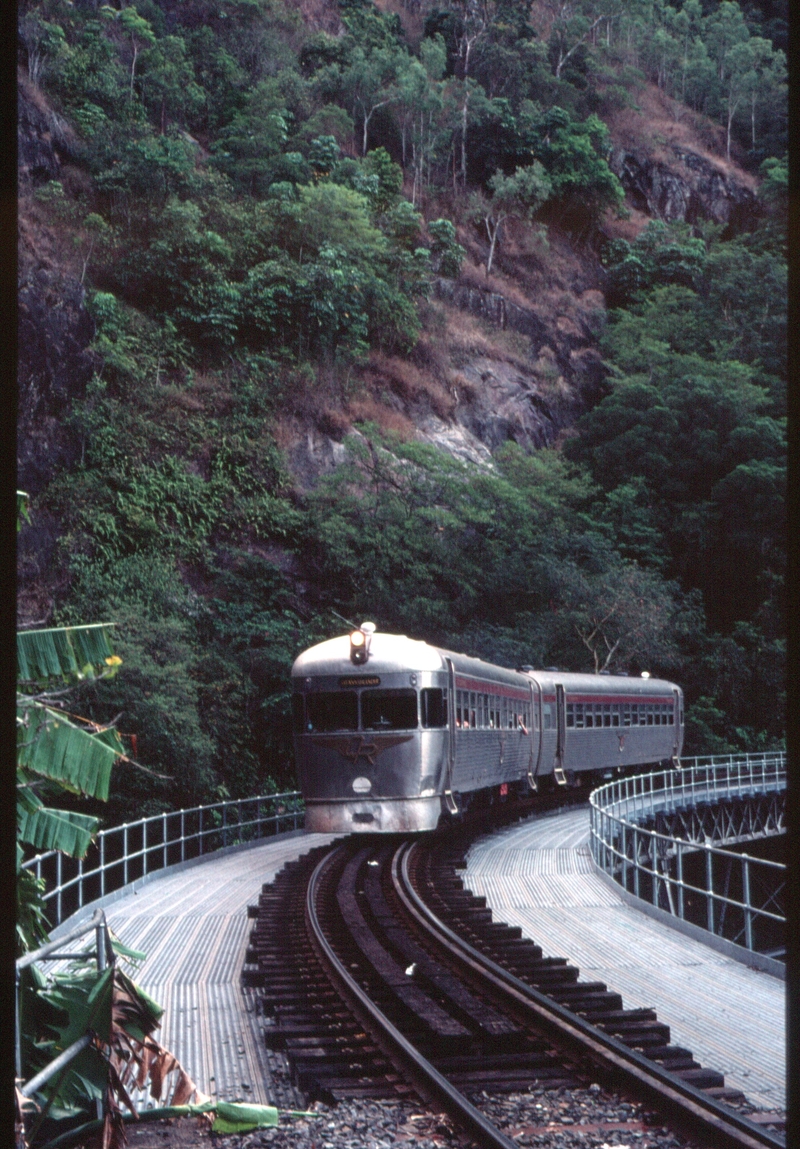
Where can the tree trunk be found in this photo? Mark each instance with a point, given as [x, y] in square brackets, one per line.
[493, 233]
[133, 62]
[464, 141]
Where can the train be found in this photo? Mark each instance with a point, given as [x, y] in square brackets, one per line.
[394, 735]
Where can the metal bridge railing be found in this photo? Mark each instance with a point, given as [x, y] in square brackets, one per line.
[731, 894]
[124, 854]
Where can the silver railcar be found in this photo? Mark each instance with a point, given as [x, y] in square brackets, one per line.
[391, 733]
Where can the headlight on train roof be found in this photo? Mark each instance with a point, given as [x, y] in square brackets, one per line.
[359, 643]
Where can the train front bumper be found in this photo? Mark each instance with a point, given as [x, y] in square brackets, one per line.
[373, 815]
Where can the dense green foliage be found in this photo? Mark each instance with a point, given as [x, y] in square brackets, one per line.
[245, 239]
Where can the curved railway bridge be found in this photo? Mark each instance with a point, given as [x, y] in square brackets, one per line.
[193, 925]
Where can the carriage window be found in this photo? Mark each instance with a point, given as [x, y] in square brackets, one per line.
[570, 714]
[298, 714]
[615, 711]
[626, 715]
[649, 715]
[332, 710]
[606, 714]
[434, 707]
[589, 719]
[389, 709]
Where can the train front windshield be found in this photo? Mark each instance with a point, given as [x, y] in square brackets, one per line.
[325, 711]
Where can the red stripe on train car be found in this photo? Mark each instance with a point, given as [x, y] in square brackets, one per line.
[625, 699]
[491, 688]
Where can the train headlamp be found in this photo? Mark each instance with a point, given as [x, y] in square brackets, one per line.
[359, 643]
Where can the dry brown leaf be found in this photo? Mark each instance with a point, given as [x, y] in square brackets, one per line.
[119, 1088]
[148, 1051]
[184, 1089]
[161, 1066]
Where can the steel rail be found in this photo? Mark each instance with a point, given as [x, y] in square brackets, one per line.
[727, 1128]
[402, 1051]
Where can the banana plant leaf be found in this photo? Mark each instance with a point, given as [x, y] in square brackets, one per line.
[49, 829]
[234, 1117]
[50, 745]
[65, 652]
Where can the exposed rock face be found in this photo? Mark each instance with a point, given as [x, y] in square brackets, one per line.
[690, 190]
[44, 139]
[492, 307]
[506, 403]
[528, 405]
[54, 366]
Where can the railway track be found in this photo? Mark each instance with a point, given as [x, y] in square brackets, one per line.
[382, 977]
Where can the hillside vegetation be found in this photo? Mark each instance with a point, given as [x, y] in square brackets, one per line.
[467, 318]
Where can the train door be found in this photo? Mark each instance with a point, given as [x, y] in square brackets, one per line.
[561, 736]
[535, 760]
[452, 806]
[676, 727]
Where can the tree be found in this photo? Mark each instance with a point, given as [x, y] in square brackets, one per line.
[521, 194]
[573, 22]
[622, 615]
[371, 83]
[246, 147]
[168, 86]
[135, 29]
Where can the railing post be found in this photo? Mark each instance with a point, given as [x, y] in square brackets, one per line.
[17, 1027]
[102, 838]
[125, 854]
[654, 843]
[183, 836]
[100, 940]
[748, 909]
[224, 823]
[200, 829]
[624, 856]
[709, 889]
[59, 878]
[679, 871]
[80, 883]
[164, 836]
[144, 847]
[636, 884]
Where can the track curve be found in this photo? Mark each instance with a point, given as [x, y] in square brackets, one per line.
[434, 1011]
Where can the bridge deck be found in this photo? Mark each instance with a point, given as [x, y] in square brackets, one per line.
[193, 927]
[539, 875]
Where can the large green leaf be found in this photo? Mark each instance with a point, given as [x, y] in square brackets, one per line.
[48, 829]
[50, 745]
[64, 652]
[234, 1117]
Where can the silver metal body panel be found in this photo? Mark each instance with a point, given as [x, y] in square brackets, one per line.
[400, 776]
